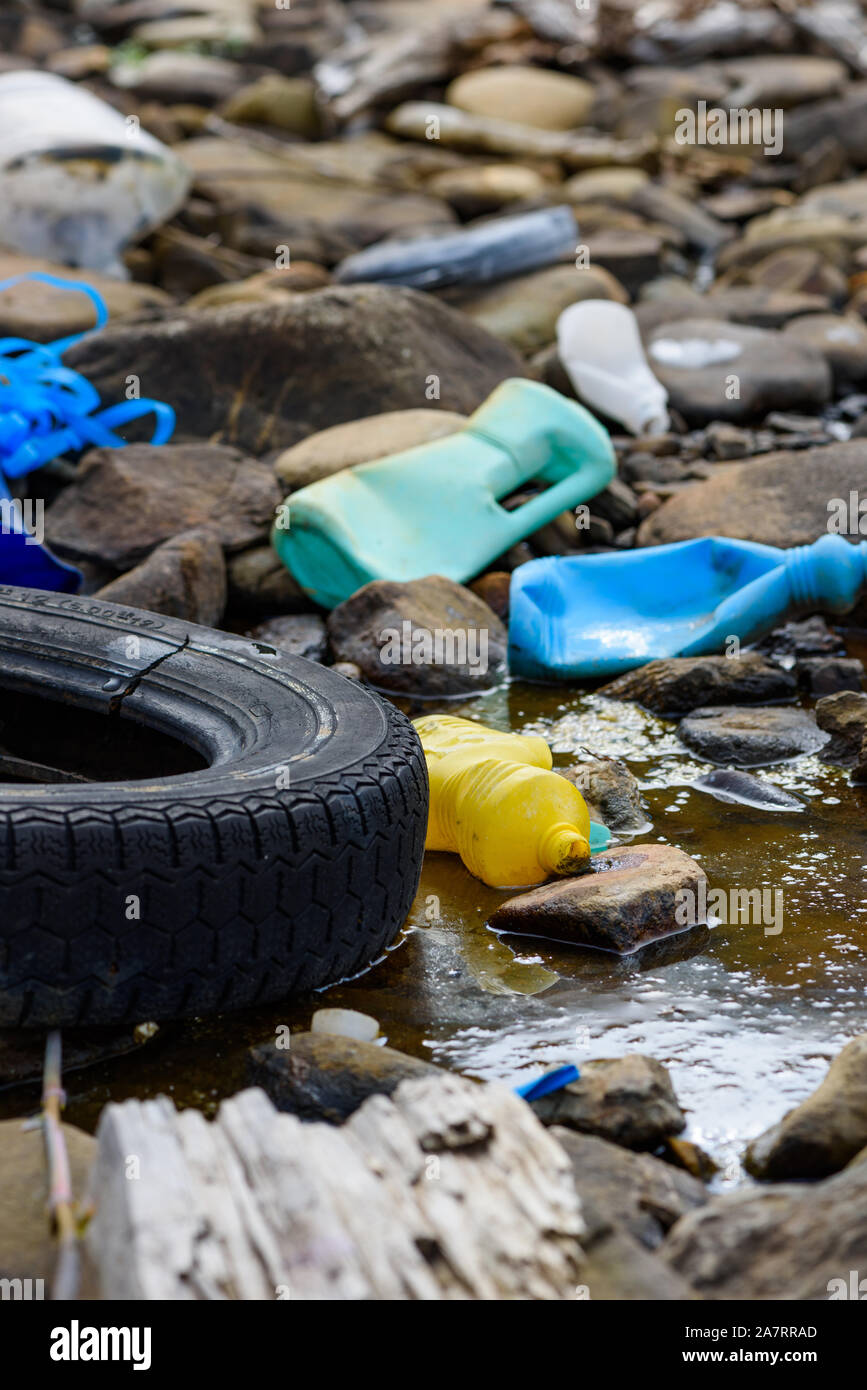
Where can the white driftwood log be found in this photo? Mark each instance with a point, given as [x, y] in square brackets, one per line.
[445, 1190]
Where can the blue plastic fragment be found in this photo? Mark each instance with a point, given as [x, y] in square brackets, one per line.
[46, 410]
[592, 616]
[551, 1081]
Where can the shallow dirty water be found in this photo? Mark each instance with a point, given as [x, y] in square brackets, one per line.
[747, 1020]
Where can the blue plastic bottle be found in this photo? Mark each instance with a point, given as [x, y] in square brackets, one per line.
[588, 616]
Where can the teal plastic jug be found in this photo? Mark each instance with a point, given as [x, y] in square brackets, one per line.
[598, 615]
[436, 509]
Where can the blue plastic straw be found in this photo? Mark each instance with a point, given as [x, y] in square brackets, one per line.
[548, 1082]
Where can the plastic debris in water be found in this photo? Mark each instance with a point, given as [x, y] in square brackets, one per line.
[495, 250]
[744, 789]
[46, 410]
[551, 1081]
[599, 344]
[78, 180]
[694, 353]
[345, 1023]
[598, 615]
[444, 734]
[435, 509]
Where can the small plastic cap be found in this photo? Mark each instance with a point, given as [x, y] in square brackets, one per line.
[564, 850]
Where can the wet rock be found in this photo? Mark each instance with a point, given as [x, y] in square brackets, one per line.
[300, 634]
[490, 135]
[781, 499]
[743, 789]
[259, 581]
[682, 1153]
[730, 372]
[783, 81]
[629, 1101]
[628, 898]
[361, 441]
[604, 185]
[184, 577]
[824, 675]
[619, 1269]
[844, 718]
[675, 685]
[730, 441]
[527, 95]
[430, 637]
[523, 311]
[42, 313]
[627, 1191]
[126, 502]
[796, 640]
[179, 77]
[27, 1248]
[295, 206]
[616, 503]
[842, 341]
[750, 735]
[494, 589]
[480, 189]
[631, 256]
[268, 376]
[321, 1076]
[612, 794]
[788, 1238]
[289, 103]
[265, 287]
[798, 271]
[661, 204]
[824, 1132]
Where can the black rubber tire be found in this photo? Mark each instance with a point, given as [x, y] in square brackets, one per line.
[248, 890]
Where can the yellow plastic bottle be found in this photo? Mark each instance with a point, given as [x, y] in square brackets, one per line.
[443, 734]
[513, 824]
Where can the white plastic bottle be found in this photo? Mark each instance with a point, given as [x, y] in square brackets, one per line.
[600, 348]
[78, 180]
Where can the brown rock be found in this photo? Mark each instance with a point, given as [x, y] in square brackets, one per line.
[428, 637]
[627, 1100]
[126, 502]
[321, 1076]
[269, 375]
[844, 717]
[626, 1190]
[361, 441]
[629, 898]
[300, 634]
[773, 372]
[42, 313]
[825, 1131]
[184, 577]
[676, 685]
[260, 582]
[785, 1241]
[612, 794]
[781, 499]
[493, 589]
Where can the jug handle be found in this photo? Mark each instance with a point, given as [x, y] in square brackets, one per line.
[590, 477]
